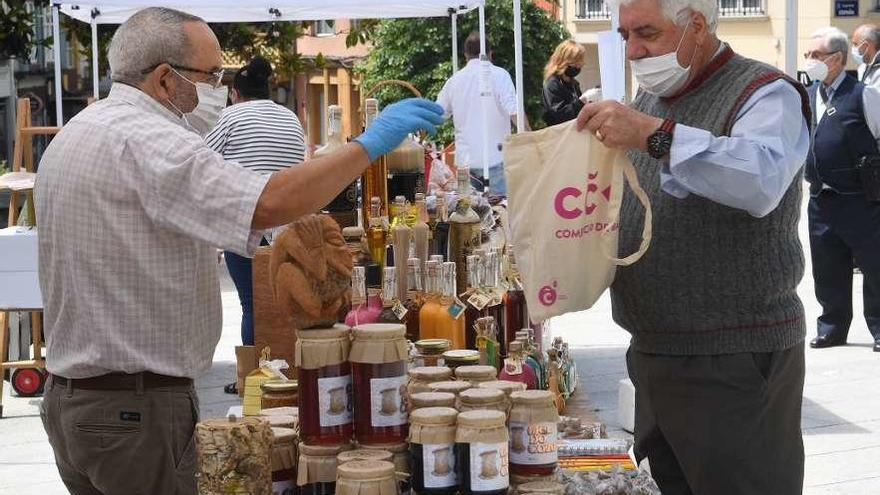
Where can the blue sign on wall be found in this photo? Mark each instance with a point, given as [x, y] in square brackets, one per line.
[846, 8]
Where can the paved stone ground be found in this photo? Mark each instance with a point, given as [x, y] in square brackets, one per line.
[841, 415]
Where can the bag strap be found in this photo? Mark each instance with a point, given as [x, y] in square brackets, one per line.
[629, 172]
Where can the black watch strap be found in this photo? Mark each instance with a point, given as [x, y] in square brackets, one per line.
[660, 142]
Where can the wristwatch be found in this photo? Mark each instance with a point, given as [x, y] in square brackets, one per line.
[660, 142]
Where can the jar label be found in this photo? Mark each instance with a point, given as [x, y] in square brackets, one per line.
[286, 487]
[334, 401]
[438, 461]
[489, 467]
[388, 401]
[533, 444]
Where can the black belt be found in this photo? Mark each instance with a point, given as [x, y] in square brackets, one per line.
[123, 381]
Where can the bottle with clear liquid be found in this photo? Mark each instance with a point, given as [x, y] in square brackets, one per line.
[401, 240]
[374, 181]
[464, 230]
[377, 238]
[428, 313]
[474, 300]
[448, 327]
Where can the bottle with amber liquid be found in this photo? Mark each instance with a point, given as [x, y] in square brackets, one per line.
[377, 237]
[447, 326]
[431, 306]
[415, 298]
[374, 181]
[464, 230]
[515, 313]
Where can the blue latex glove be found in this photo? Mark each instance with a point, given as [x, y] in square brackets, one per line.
[398, 120]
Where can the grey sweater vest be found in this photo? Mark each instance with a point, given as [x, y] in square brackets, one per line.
[715, 280]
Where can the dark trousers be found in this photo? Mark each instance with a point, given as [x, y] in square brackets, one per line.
[727, 424]
[240, 269]
[138, 441]
[844, 228]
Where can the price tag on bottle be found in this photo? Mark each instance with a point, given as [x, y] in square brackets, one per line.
[456, 309]
[479, 300]
[399, 310]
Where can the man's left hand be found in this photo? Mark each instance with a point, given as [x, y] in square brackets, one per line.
[617, 125]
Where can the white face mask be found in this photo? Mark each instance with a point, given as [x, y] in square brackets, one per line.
[205, 115]
[662, 75]
[816, 70]
[857, 55]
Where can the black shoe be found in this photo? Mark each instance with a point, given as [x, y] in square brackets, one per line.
[232, 388]
[823, 341]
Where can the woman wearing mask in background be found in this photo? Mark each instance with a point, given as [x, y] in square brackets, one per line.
[261, 136]
[562, 92]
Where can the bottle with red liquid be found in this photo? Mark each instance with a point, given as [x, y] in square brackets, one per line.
[516, 370]
[415, 298]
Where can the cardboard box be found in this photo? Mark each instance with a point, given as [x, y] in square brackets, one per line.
[271, 326]
[19, 281]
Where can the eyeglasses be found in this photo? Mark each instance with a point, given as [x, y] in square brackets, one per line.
[215, 80]
[817, 55]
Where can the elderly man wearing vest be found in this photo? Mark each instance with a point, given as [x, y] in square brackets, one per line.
[866, 52]
[717, 354]
[844, 223]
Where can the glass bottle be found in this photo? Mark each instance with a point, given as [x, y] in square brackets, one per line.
[401, 237]
[449, 327]
[464, 230]
[492, 283]
[428, 313]
[515, 314]
[421, 231]
[415, 298]
[515, 368]
[487, 341]
[346, 200]
[378, 237]
[474, 300]
[389, 296]
[440, 232]
[360, 312]
[375, 179]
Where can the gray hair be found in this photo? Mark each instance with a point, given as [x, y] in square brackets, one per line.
[150, 37]
[870, 32]
[677, 10]
[834, 40]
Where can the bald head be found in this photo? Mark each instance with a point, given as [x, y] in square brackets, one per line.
[866, 39]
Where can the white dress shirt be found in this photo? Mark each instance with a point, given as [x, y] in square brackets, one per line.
[131, 206]
[873, 78]
[460, 99]
[752, 168]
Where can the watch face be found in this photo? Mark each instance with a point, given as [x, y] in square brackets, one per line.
[659, 144]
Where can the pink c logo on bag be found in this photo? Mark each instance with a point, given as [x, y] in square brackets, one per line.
[547, 295]
[573, 192]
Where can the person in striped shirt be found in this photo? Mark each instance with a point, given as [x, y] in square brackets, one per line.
[263, 137]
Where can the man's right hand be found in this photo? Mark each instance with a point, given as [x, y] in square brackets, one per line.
[396, 122]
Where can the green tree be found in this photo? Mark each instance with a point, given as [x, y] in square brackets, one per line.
[419, 51]
[17, 34]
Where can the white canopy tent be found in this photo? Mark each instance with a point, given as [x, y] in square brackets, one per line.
[97, 12]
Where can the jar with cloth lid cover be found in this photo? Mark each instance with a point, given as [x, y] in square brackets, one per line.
[432, 451]
[325, 383]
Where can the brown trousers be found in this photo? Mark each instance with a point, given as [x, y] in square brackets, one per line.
[123, 442]
[727, 424]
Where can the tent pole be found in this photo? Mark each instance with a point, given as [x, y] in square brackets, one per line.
[95, 80]
[485, 94]
[517, 52]
[454, 16]
[482, 11]
[791, 37]
[56, 53]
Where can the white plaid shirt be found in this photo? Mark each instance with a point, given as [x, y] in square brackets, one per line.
[130, 209]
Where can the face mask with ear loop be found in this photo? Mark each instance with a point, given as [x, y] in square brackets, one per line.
[662, 75]
[857, 55]
[205, 115]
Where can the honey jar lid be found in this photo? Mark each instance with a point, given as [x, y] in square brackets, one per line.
[541, 487]
[482, 418]
[432, 399]
[433, 416]
[323, 450]
[366, 470]
[280, 386]
[532, 397]
[454, 387]
[433, 346]
[477, 396]
[462, 356]
[283, 435]
[338, 331]
[476, 372]
[283, 420]
[364, 455]
[507, 386]
[352, 232]
[378, 343]
[379, 331]
[284, 410]
[431, 373]
[394, 448]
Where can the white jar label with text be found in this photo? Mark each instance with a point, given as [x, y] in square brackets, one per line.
[387, 401]
[334, 401]
[533, 444]
[489, 467]
[438, 460]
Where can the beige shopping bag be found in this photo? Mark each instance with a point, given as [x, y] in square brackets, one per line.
[564, 193]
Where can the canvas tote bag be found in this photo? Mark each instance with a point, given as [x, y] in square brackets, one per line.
[564, 194]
